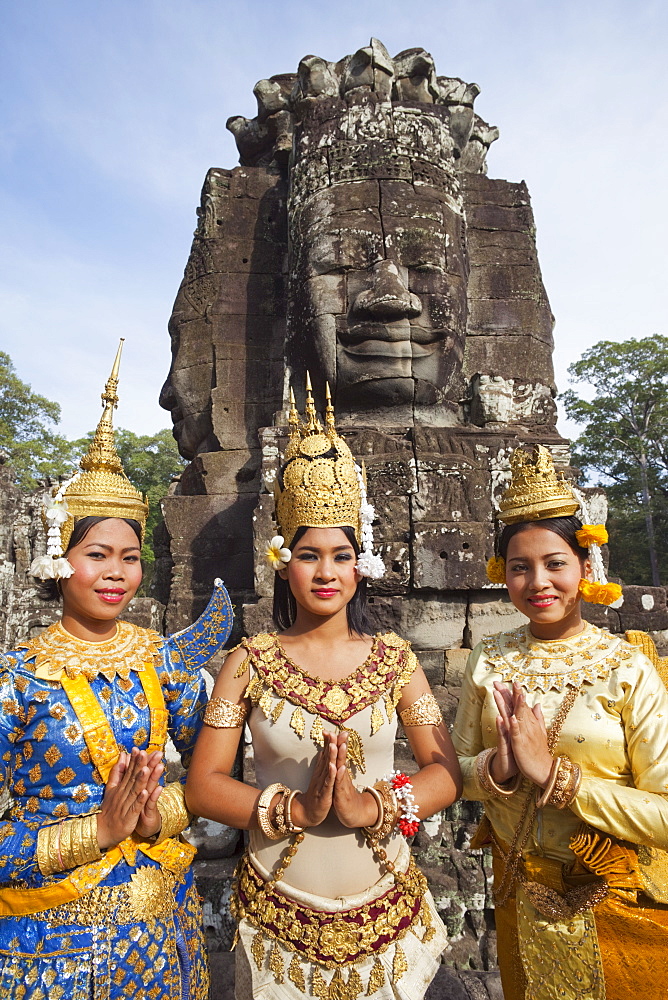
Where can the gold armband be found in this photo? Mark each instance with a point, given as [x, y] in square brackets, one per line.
[68, 844]
[423, 712]
[223, 714]
[172, 808]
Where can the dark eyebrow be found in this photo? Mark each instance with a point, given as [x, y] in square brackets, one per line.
[548, 556]
[314, 548]
[109, 548]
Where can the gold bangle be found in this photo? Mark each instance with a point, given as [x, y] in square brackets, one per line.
[483, 770]
[288, 812]
[172, 808]
[423, 712]
[279, 816]
[47, 858]
[567, 784]
[263, 806]
[544, 797]
[374, 830]
[222, 714]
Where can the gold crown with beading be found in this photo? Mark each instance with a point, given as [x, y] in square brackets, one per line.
[319, 485]
[535, 491]
[101, 488]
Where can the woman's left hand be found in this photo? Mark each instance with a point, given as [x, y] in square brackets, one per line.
[150, 820]
[353, 808]
[528, 737]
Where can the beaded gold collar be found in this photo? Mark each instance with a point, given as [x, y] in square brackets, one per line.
[540, 665]
[55, 651]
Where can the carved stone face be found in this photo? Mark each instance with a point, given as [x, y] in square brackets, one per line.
[378, 293]
[187, 389]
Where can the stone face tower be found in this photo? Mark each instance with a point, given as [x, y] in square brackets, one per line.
[361, 239]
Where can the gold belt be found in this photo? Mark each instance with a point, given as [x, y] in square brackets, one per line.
[146, 898]
[326, 938]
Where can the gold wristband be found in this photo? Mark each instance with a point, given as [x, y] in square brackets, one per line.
[172, 808]
[222, 714]
[388, 810]
[483, 765]
[423, 712]
[288, 812]
[545, 795]
[263, 806]
[68, 844]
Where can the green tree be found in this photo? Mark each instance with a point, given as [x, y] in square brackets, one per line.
[624, 445]
[26, 430]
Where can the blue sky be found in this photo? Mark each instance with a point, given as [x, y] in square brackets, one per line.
[112, 112]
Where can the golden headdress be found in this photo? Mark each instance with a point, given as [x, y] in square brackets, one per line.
[321, 486]
[536, 491]
[99, 489]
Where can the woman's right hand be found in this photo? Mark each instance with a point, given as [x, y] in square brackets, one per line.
[311, 807]
[503, 766]
[125, 795]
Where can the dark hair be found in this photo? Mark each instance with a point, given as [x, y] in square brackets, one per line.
[284, 611]
[49, 590]
[565, 527]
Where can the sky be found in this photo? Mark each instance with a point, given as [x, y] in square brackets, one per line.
[111, 113]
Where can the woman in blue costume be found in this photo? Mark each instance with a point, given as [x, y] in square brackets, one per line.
[96, 897]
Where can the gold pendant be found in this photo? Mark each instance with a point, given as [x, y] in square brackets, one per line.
[317, 733]
[276, 964]
[278, 708]
[376, 720]
[296, 974]
[399, 964]
[297, 722]
[257, 949]
[355, 749]
[376, 979]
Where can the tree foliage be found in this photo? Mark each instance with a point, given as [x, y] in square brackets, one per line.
[26, 430]
[624, 447]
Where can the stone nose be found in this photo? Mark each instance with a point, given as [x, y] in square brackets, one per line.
[388, 297]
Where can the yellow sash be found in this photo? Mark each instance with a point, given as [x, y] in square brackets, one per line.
[172, 854]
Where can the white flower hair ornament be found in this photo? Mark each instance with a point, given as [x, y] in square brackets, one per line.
[277, 555]
[54, 565]
[369, 563]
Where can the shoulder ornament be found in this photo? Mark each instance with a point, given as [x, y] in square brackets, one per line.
[197, 643]
[55, 652]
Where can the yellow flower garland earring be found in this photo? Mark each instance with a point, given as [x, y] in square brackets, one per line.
[496, 569]
[599, 593]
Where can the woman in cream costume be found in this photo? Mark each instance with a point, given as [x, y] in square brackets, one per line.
[96, 896]
[329, 903]
[562, 733]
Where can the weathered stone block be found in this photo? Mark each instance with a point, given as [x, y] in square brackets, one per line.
[511, 317]
[450, 556]
[492, 612]
[455, 665]
[510, 357]
[643, 600]
[451, 491]
[222, 472]
[506, 281]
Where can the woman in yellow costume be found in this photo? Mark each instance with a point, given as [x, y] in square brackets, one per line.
[328, 901]
[96, 897]
[562, 733]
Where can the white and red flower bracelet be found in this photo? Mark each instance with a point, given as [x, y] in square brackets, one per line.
[402, 786]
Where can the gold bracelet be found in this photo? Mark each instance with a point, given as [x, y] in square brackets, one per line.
[544, 797]
[47, 856]
[263, 806]
[388, 810]
[279, 816]
[172, 808]
[374, 830]
[288, 812]
[483, 765]
[423, 712]
[567, 784]
[222, 714]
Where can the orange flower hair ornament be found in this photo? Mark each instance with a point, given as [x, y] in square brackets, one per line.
[592, 534]
[496, 569]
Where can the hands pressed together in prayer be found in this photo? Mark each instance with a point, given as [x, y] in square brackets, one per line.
[331, 787]
[521, 738]
[130, 803]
